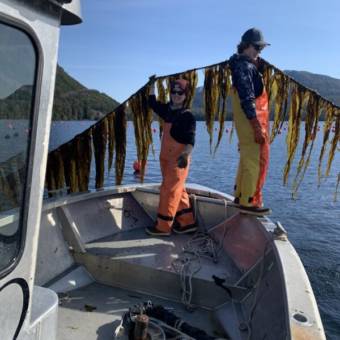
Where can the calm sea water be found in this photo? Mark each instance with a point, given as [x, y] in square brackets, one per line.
[312, 220]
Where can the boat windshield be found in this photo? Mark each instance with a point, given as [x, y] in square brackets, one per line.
[18, 67]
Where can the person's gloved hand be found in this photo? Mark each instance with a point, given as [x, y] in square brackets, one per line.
[259, 132]
[182, 160]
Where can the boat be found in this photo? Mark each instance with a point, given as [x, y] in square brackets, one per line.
[81, 266]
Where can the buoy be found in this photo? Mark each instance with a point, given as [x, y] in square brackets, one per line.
[137, 166]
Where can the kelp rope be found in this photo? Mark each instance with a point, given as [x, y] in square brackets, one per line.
[288, 99]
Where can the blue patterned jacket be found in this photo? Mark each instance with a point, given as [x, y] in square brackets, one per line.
[248, 82]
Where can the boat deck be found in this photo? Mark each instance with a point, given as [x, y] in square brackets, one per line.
[135, 261]
[136, 247]
[108, 304]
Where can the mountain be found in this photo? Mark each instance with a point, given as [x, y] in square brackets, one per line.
[326, 86]
[72, 101]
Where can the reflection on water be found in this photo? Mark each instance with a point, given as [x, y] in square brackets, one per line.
[312, 221]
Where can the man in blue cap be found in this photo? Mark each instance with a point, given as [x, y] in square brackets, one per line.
[251, 117]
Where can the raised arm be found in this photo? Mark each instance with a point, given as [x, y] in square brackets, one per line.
[159, 108]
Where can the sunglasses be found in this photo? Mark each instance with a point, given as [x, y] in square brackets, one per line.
[258, 48]
[180, 93]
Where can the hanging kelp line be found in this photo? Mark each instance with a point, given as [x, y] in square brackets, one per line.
[69, 164]
[142, 119]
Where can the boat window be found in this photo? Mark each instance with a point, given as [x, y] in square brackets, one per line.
[18, 60]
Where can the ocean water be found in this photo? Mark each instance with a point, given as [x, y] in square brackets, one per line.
[312, 219]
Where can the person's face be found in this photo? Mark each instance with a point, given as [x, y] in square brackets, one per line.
[253, 51]
[177, 95]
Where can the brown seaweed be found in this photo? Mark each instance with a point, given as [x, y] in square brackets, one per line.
[224, 82]
[111, 138]
[162, 98]
[336, 188]
[334, 142]
[293, 134]
[313, 112]
[327, 125]
[55, 177]
[84, 156]
[120, 142]
[211, 97]
[100, 133]
[69, 156]
[283, 92]
[192, 78]
[280, 102]
[142, 118]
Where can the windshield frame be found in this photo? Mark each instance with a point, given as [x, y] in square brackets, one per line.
[32, 118]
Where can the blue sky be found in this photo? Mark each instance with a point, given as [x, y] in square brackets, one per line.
[122, 42]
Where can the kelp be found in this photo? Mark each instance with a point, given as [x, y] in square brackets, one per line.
[327, 125]
[334, 143]
[162, 98]
[84, 156]
[162, 95]
[111, 138]
[69, 155]
[231, 132]
[142, 119]
[55, 176]
[192, 78]
[280, 101]
[211, 96]
[100, 134]
[120, 142]
[286, 97]
[224, 83]
[296, 101]
[336, 188]
[267, 72]
[313, 112]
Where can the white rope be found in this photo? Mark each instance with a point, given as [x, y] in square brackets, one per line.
[188, 263]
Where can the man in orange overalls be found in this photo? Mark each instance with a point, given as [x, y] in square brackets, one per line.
[251, 117]
[174, 211]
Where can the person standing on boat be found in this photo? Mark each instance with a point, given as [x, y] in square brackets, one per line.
[174, 211]
[251, 117]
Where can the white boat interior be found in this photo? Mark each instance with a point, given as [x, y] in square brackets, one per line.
[94, 252]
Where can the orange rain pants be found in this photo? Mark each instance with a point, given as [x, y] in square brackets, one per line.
[254, 158]
[174, 203]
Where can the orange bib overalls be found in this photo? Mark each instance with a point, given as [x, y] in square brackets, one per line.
[174, 203]
[254, 158]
